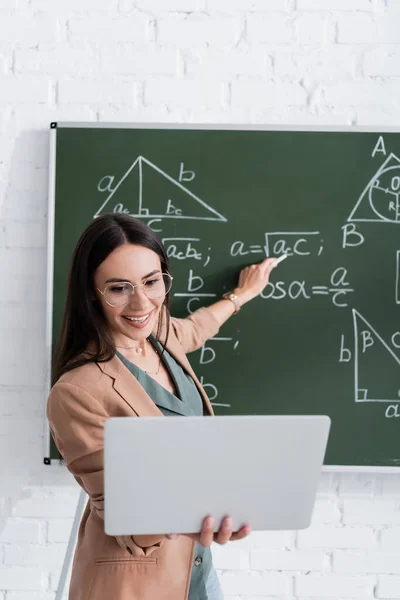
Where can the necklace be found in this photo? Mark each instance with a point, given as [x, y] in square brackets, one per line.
[159, 363]
[137, 349]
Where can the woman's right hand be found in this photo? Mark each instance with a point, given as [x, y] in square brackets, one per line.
[225, 534]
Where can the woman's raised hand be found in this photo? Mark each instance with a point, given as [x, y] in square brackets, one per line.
[253, 279]
[225, 533]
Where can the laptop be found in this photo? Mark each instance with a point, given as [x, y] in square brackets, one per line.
[164, 475]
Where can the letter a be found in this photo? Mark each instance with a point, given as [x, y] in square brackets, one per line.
[379, 147]
[105, 184]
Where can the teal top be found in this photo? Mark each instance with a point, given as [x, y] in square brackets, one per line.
[188, 402]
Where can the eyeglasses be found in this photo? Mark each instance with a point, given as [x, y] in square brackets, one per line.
[119, 294]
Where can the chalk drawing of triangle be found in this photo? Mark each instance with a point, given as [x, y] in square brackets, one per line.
[372, 383]
[146, 191]
[364, 209]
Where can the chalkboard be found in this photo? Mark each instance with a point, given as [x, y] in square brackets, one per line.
[324, 336]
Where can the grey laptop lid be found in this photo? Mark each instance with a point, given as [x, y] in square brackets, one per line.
[164, 475]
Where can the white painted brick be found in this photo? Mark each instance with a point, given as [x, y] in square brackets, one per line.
[249, 62]
[2, 235]
[393, 6]
[382, 116]
[371, 512]
[171, 6]
[363, 93]
[362, 28]
[24, 288]
[260, 93]
[14, 375]
[329, 536]
[327, 484]
[5, 60]
[357, 484]
[390, 539]
[54, 581]
[98, 29]
[33, 554]
[97, 91]
[388, 587]
[17, 531]
[21, 578]
[275, 584]
[230, 557]
[247, 5]
[19, 204]
[390, 483]
[27, 31]
[349, 5]
[30, 596]
[274, 28]
[26, 234]
[12, 317]
[25, 90]
[362, 562]
[50, 506]
[326, 511]
[182, 93]
[314, 29]
[334, 586]
[59, 530]
[22, 426]
[289, 560]
[191, 30]
[138, 59]
[4, 506]
[383, 62]
[55, 59]
[357, 29]
[76, 5]
[268, 540]
[42, 116]
[125, 113]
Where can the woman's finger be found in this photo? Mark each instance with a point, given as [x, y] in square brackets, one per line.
[225, 531]
[207, 532]
[242, 533]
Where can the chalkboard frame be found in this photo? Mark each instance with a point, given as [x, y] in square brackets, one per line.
[54, 126]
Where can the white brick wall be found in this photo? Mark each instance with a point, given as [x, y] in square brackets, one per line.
[257, 61]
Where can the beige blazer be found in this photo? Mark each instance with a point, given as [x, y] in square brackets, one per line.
[78, 406]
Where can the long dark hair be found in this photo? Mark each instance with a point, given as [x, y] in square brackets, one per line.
[84, 321]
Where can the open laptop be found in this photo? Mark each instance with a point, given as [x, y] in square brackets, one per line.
[164, 475]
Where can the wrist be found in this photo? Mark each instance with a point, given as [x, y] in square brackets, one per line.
[242, 296]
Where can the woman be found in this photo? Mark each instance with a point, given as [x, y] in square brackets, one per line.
[121, 354]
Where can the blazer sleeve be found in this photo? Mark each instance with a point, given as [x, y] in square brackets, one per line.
[77, 423]
[193, 331]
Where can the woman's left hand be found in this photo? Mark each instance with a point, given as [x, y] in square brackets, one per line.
[253, 279]
[225, 533]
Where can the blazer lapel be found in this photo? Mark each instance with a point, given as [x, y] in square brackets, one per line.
[127, 386]
[130, 390]
[175, 349]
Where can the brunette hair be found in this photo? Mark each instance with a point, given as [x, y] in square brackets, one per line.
[84, 321]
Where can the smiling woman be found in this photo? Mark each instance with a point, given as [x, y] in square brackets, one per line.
[121, 354]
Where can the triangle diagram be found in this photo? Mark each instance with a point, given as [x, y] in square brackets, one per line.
[380, 200]
[376, 366]
[145, 191]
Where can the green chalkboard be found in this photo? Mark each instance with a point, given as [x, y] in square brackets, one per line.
[324, 337]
